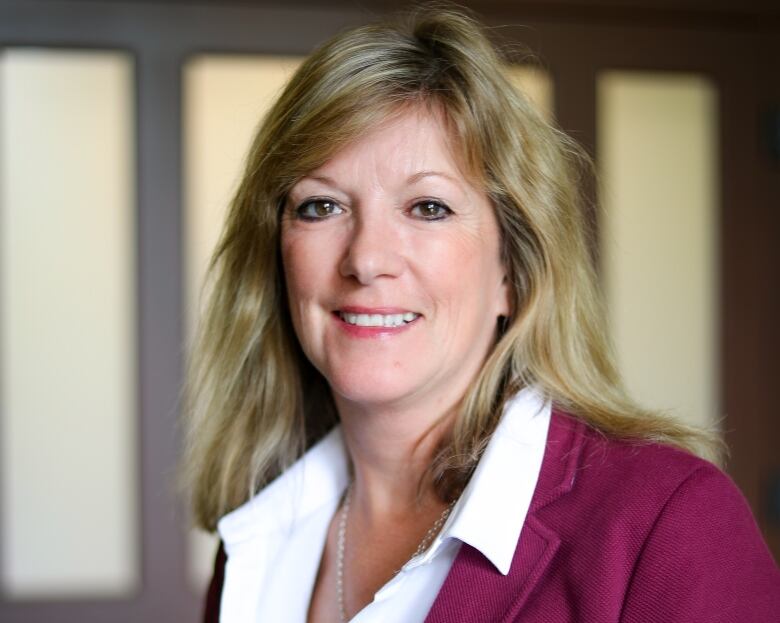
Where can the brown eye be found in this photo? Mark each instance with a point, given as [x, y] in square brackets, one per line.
[317, 209]
[430, 210]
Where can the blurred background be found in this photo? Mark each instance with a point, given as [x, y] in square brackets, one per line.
[123, 126]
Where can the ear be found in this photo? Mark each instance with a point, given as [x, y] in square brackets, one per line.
[505, 298]
[501, 325]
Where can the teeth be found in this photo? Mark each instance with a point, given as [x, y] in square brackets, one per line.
[378, 320]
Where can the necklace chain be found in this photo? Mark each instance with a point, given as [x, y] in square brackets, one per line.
[342, 533]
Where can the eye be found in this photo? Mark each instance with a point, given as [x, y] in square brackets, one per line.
[430, 210]
[317, 209]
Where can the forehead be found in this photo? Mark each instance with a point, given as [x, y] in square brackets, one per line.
[413, 140]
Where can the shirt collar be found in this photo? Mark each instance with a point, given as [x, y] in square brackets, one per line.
[488, 516]
[317, 479]
[493, 507]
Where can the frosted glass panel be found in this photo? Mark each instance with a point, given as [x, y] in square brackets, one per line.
[537, 86]
[657, 160]
[67, 322]
[224, 99]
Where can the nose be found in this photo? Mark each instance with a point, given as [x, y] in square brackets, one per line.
[373, 250]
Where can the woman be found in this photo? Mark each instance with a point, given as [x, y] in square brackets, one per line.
[404, 292]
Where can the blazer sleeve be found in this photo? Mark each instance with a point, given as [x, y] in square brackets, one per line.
[214, 593]
[704, 559]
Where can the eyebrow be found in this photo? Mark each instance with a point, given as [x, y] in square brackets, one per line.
[423, 174]
[320, 178]
[413, 179]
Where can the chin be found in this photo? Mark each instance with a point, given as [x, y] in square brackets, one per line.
[370, 390]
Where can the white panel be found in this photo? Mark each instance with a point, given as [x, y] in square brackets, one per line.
[225, 98]
[537, 86]
[656, 155]
[69, 488]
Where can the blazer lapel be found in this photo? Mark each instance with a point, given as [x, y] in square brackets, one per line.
[474, 590]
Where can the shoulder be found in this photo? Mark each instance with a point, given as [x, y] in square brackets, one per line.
[668, 531]
[590, 466]
[635, 481]
[608, 493]
[654, 484]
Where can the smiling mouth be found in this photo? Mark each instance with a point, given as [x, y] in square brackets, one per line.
[378, 320]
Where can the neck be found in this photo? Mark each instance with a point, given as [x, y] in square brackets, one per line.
[391, 450]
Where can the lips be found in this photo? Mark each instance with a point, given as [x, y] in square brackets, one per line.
[377, 320]
[370, 321]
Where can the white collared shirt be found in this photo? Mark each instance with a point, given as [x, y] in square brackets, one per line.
[274, 542]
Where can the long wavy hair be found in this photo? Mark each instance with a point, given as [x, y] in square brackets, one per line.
[253, 401]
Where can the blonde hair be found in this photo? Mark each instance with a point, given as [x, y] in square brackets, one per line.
[254, 402]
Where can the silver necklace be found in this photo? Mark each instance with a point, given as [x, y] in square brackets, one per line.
[424, 544]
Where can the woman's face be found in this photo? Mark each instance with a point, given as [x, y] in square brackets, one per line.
[393, 269]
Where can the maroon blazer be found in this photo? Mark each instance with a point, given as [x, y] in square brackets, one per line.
[617, 531]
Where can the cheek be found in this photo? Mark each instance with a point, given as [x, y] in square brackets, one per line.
[308, 265]
[464, 260]
[297, 272]
[447, 253]
[293, 271]
[299, 261]
[457, 271]
[474, 273]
